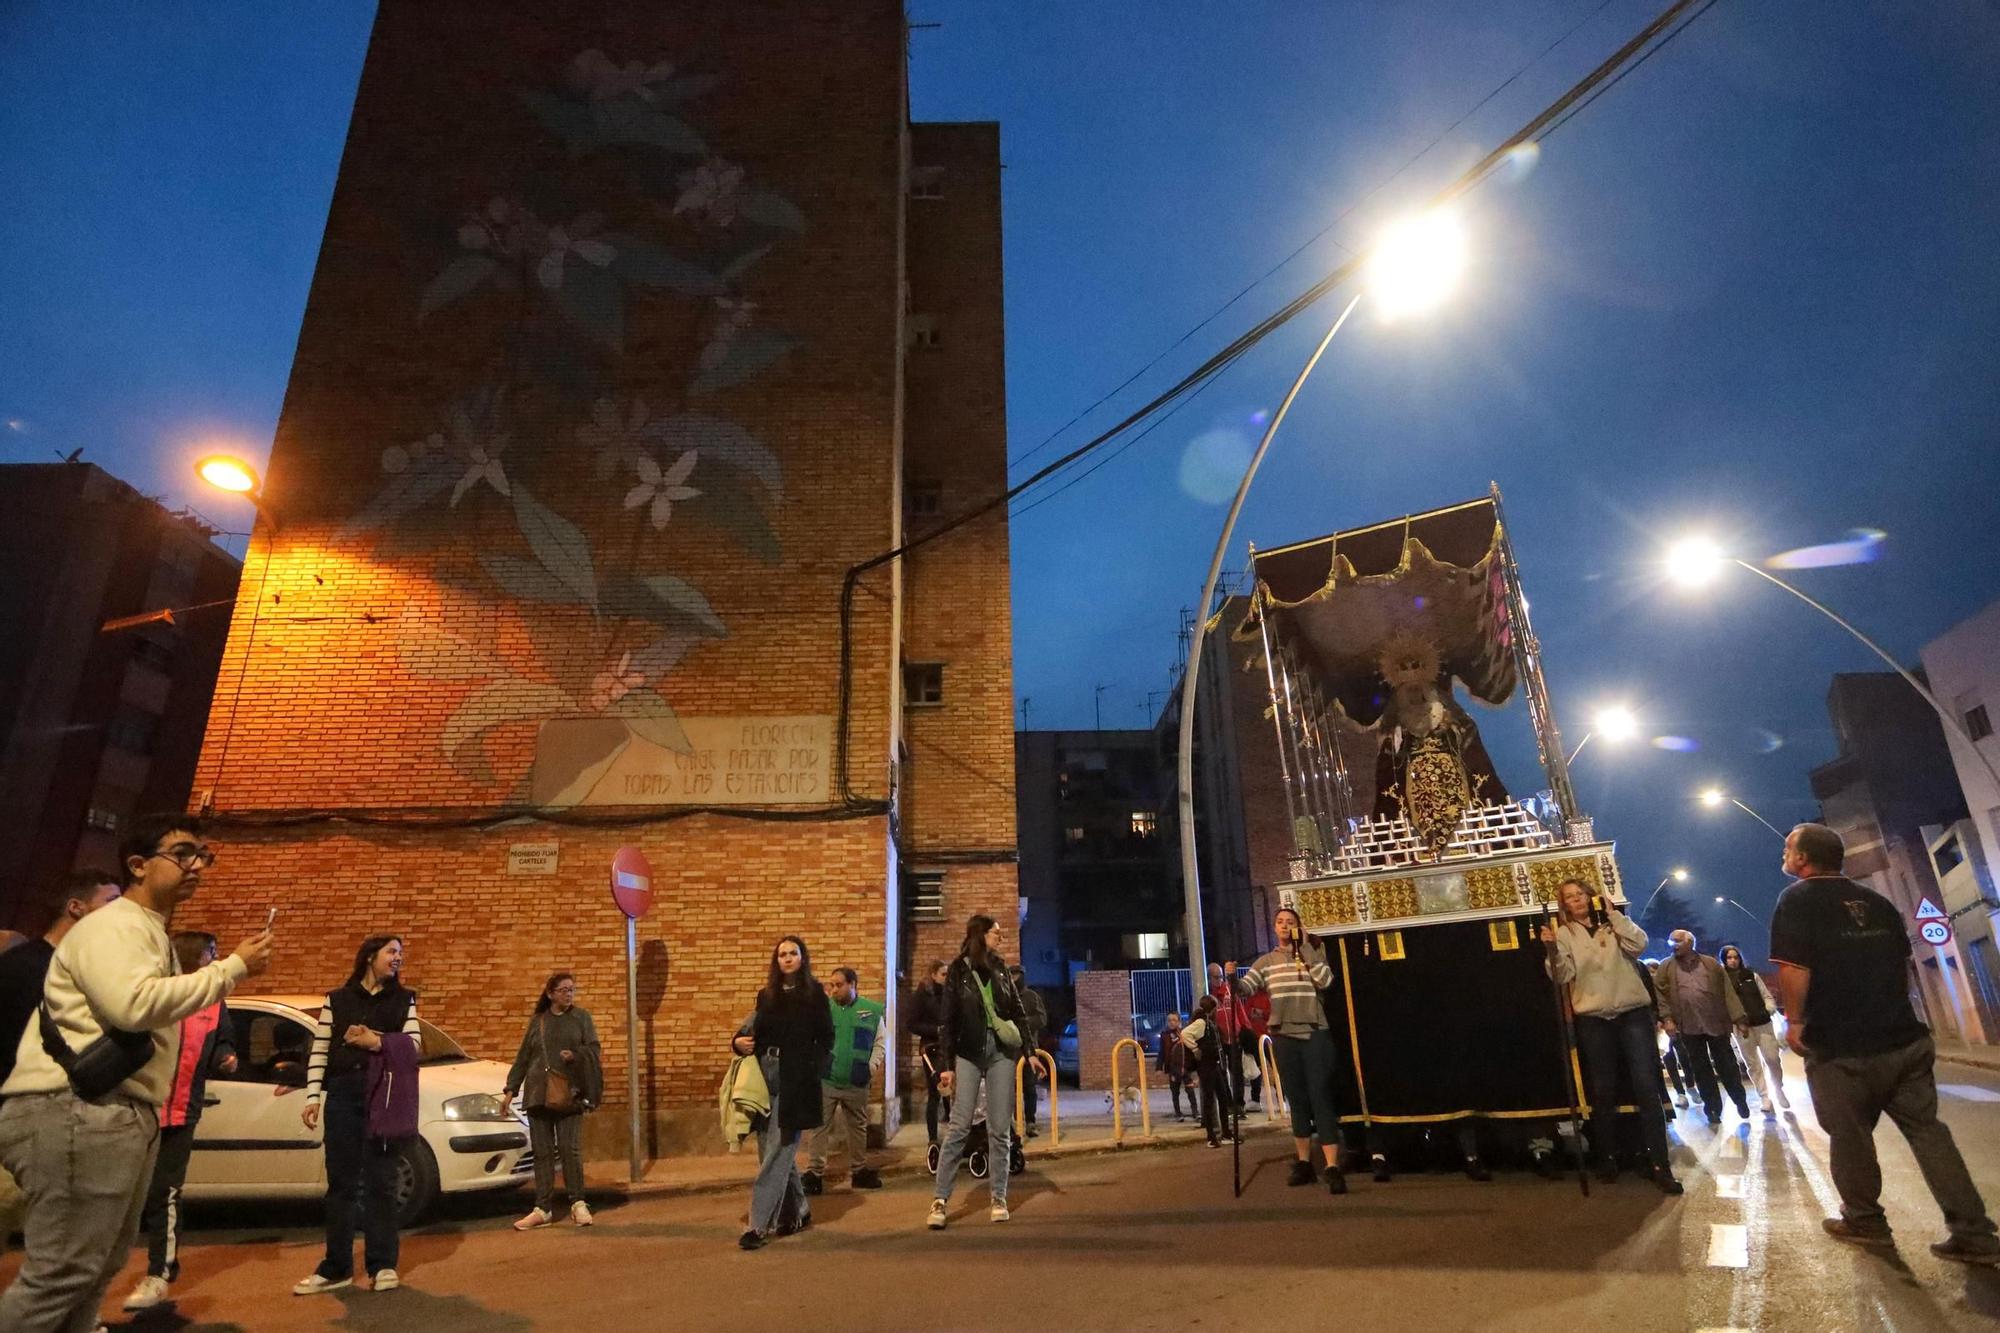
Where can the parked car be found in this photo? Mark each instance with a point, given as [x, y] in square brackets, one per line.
[252, 1143]
[1067, 1064]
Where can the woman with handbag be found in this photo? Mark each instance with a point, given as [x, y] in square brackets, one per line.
[982, 1032]
[557, 1077]
[791, 1034]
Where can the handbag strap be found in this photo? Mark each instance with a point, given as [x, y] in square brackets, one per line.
[546, 1069]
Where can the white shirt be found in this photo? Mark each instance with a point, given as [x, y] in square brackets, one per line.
[116, 968]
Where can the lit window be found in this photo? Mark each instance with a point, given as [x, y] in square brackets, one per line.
[923, 684]
[1977, 724]
[1145, 823]
[1073, 835]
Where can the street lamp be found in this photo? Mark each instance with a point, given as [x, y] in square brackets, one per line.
[228, 474]
[1678, 875]
[1414, 266]
[1714, 797]
[1741, 908]
[1695, 562]
[1616, 723]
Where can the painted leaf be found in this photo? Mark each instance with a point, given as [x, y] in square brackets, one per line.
[527, 581]
[558, 543]
[749, 352]
[666, 601]
[685, 597]
[652, 718]
[571, 756]
[425, 650]
[595, 300]
[719, 441]
[629, 121]
[497, 705]
[407, 492]
[651, 266]
[767, 208]
[662, 655]
[460, 276]
[728, 504]
[733, 271]
[569, 121]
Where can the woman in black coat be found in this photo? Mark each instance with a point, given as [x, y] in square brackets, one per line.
[982, 1031]
[791, 1034]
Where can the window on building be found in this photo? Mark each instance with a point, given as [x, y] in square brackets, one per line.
[923, 684]
[1977, 724]
[1145, 823]
[154, 654]
[926, 182]
[922, 331]
[1073, 835]
[132, 729]
[1948, 856]
[927, 895]
[1147, 945]
[923, 499]
[98, 817]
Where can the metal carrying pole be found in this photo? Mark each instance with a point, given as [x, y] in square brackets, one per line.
[1277, 723]
[1568, 1058]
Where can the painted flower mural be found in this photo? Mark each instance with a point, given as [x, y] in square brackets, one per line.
[586, 575]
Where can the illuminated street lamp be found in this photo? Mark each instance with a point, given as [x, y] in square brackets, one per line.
[1412, 268]
[1678, 875]
[228, 474]
[1741, 908]
[1715, 797]
[1695, 562]
[1616, 723]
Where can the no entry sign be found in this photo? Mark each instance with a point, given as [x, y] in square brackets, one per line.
[631, 882]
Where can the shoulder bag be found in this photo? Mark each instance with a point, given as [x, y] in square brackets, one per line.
[558, 1092]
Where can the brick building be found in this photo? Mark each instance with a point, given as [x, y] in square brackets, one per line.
[97, 726]
[634, 330]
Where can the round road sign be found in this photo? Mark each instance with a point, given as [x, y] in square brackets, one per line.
[631, 882]
[1936, 933]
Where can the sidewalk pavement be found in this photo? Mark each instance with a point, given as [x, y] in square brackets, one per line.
[1086, 1127]
[1958, 1052]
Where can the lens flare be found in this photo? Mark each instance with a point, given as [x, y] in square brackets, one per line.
[1677, 744]
[1213, 463]
[1862, 547]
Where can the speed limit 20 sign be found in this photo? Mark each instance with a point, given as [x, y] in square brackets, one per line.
[1933, 926]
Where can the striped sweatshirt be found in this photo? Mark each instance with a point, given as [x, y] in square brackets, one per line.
[329, 1048]
[1293, 985]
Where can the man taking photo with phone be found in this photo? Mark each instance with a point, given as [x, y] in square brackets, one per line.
[91, 1071]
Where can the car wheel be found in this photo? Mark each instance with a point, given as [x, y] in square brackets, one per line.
[416, 1180]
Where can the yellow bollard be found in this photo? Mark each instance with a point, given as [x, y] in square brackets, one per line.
[1275, 1106]
[1048, 1067]
[1118, 1102]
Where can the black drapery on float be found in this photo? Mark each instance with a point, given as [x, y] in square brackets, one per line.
[1413, 862]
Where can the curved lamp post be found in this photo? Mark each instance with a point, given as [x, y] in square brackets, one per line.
[1414, 267]
[1696, 562]
[1714, 797]
[1741, 908]
[1615, 723]
[1678, 875]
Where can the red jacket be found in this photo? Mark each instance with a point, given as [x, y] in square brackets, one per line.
[204, 1046]
[1234, 1013]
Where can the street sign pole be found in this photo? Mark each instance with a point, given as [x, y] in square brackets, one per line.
[632, 1033]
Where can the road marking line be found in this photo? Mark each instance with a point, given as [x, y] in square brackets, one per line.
[1728, 1245]
[1729, 1187]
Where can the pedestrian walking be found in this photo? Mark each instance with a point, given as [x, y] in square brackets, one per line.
[1033, 1029]
[979, 1038]
[557, 1078]
[1176, 1064]
[1294, 974]
[926, 1012]
[790, 1031]
[207, 1045]
[856, 1056]
[1700, 1009]
[25, 967]
[1757, 1034]
[370, 1020]
[1843, 972]
[1593, 955]
[80, 1126]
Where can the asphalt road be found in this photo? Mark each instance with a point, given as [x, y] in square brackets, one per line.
[1153, 1239]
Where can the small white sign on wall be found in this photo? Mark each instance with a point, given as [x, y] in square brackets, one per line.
[532, 858]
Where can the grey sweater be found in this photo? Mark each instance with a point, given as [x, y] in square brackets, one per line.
[1293, 985]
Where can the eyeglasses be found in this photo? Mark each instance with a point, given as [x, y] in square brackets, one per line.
[189, 857]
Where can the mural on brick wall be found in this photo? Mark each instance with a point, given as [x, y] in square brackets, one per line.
[572, 480]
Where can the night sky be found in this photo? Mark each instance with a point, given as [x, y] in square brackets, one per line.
[1751, 291]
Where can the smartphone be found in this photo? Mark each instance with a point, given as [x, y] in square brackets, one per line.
[270, 918]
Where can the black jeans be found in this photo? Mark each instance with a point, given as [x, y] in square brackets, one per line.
[359, 1168]
[1175, 1084]
[1214, 1116]
[161, 1220]
[1028, 1077]
[1606, 1045]
[1709, 1059]
[932, 1100]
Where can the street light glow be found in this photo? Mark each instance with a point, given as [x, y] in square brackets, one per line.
[227, 474]
[1417, 263]
[1680, 874]
[1694, 562]
[1616, 724]
[1713, 797]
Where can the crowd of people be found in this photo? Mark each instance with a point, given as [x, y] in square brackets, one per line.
[110, 1024]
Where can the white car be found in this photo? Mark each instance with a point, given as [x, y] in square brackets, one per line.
[252, 1144]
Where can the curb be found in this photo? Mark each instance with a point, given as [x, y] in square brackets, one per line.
[912, 1165]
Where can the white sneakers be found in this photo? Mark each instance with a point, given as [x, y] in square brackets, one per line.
[150, 1292]
[386, 1280]
[936, 1220]
[998, 1213]
[537, 1217]
[314, 1284]
[579, 1213]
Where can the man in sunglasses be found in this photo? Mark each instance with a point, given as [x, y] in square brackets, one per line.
[113, 972]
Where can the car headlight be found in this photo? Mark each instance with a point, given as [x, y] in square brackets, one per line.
[476, 1106]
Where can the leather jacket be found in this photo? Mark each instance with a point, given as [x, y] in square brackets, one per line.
[962, 1024]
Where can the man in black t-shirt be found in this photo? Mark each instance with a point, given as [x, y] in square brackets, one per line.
[1843, 977]
[25, 967]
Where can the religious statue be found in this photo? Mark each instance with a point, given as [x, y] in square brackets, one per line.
[1433, 765]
